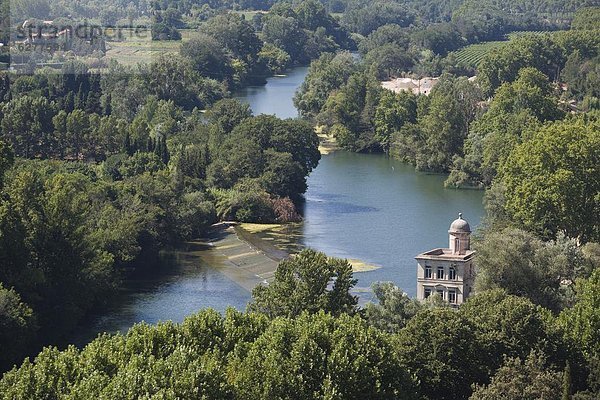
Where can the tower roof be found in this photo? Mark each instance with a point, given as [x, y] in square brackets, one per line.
[460, 225]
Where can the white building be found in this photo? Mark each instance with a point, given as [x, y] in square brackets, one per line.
[448, 272]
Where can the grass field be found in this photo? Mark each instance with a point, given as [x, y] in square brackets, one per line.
[139, 47]
[248, 15]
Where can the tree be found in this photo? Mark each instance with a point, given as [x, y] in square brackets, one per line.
[162, 31]
[517, 379]
[286, 34]
[78, 129]
[207, 57]
[173, 78]
[510, 326]
[586, 18]
[503, 64]
[365, 18]
[386, 34]
[490, 140]
[320, 356]
[276, 59]
[228, 113]
[6, 160]
[238, 37]
[392, 112]
[438, 348]
[309, 281]
[17, 327]
[581, 323]
[530, 92]
[516, 109]
[389, 61]
[325, 74]
[551, 181]
[27, 126]
[283, 176]
[451, 108]
[140, 163]
[393, 308]
[523, 265]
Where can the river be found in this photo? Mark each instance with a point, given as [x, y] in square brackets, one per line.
[358, 206]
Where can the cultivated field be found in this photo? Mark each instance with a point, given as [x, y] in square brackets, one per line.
[138, 46]
[471, 55]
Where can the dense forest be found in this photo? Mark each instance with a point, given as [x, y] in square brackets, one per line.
[103, 165]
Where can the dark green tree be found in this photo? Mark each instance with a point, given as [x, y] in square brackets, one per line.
[309, 281]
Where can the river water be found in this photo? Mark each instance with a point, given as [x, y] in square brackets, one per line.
[358, 206]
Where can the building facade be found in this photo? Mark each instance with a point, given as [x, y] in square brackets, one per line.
[448, 272]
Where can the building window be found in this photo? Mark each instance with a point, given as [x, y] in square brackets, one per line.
[427, 272]
[452, 296]
[457, 245]
[440, 293]
[440, 273]
[427, 293]
[452, 274]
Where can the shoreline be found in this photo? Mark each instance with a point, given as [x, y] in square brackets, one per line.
[227, 251]
[247, 258]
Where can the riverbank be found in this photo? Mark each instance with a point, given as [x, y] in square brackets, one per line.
[327, 143]
[246, 253]
[229, 250]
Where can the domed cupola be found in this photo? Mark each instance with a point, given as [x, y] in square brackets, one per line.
[459, 235]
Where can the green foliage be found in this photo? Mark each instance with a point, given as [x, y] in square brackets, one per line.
[162, 31]
[27, 125]
[547, 53]
[515, 109]
[140, 163]
[369, 16]
[517, 379]
[236, 356]
[276, 59]
[386, 34]
[443, 119]
[309, 281]
[586, 18]
[581, 323]
[388, 61]
[353, 106]
[17, 325]
[437, 347]
[319, 356]
[207, 56]
[551, 181]
[393, 111]
[228, 113]
[531, 92]
[326, 74]
[6, 160]
[582, 75]
[242, 204]
[393, 308]
[511, 326]
[523, 265]
[279, 153]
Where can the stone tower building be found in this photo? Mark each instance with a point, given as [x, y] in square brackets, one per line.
[448, 272]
